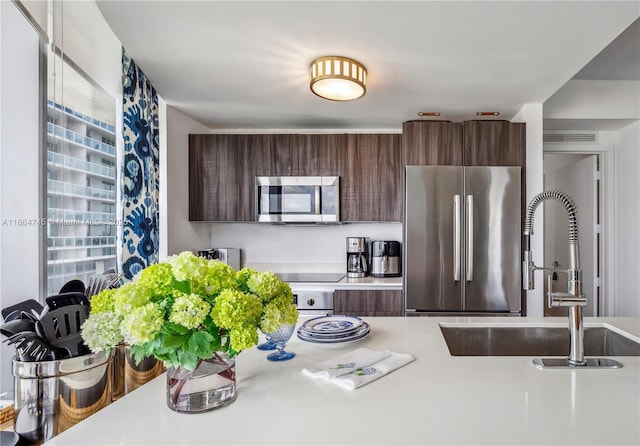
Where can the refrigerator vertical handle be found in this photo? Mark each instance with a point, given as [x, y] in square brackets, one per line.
[469, 238]
[456, 238]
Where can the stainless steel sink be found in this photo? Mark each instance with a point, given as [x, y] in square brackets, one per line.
[533, 341]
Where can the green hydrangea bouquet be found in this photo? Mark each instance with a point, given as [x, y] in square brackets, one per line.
[186, 309]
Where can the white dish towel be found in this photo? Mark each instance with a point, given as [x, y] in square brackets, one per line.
[359, 367]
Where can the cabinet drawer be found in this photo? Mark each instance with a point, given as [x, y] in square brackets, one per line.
[368, 302]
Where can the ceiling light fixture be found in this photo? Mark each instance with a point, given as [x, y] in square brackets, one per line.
[338, 78]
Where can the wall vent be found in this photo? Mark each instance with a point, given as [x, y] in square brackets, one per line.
[570, 137]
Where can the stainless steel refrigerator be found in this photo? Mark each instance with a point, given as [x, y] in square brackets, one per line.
[462, 240]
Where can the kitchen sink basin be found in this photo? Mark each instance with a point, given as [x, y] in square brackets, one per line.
[533, 341]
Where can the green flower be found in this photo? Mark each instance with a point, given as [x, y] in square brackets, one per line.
[243, 337]
[130, 296]
[157, 280]
[277, 313]
[101, 331]
[218, 276]
[186, 266]
[266, 285]
[103, 302]
[242, 277]
[142, 323]
[234, 308]
[189, 310]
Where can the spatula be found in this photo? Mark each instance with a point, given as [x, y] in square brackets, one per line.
[61, 328]
[26, 305]
[64, 299]
[73, 286]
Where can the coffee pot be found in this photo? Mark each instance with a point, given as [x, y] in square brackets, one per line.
[357, 257]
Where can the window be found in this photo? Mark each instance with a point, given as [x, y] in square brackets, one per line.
[81, 176]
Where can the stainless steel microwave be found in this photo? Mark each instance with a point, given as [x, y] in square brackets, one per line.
[305, 199]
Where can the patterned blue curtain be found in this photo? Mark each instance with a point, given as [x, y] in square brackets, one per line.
[140, 169]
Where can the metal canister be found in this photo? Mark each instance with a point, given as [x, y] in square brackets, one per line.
[52, 396]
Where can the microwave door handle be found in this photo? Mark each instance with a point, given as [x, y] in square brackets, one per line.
[469, 238]
[318, 198]
[456, 238]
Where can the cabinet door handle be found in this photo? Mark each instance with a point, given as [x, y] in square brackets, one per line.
[456, 238]
[469, 238]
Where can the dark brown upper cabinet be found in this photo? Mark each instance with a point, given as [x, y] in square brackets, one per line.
[472, 143]
[371, 178]
[318, 154]
[222, 171]
[220, 175]
[273, 155]
[432, 143]
[494, 143]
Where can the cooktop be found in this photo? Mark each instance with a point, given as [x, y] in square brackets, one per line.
[310, 277]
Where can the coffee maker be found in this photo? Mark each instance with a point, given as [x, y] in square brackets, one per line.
[357, 257]
[385, 259]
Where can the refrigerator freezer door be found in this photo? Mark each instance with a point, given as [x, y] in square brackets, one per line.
[431, 280]
[493, 239]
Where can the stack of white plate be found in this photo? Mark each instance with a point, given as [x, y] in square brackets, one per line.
[333, 329]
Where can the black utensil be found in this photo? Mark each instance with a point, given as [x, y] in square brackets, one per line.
[64, 299]
[30, 347]
[21, 314]
[73, 286]
[26, 305]
[96, 284]
[15, 326]
[61, 328]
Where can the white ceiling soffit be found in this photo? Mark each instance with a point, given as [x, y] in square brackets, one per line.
[244, 65]
[611, 125]
[619, 61]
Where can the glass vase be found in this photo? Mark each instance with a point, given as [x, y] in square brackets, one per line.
[211, 385]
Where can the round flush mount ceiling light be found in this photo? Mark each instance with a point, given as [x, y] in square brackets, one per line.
[338, 78]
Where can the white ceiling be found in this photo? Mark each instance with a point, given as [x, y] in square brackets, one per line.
[244, 65]
[619, 61]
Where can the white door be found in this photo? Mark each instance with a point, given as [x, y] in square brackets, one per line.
[577, 176]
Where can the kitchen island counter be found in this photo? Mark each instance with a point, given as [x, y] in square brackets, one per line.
[437, 399]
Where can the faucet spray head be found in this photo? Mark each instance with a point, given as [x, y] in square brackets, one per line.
[528, 266]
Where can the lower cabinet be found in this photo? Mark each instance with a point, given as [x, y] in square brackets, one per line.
[368, 302]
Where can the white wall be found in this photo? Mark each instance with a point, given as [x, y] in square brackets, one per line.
[300, 248]
[575, 175]
[20, 245]
[532, 115]
[621, 214]
[177, 233]
[627, 224]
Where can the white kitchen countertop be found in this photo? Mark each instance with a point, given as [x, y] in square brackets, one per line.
[437, 399]
[348, 283]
